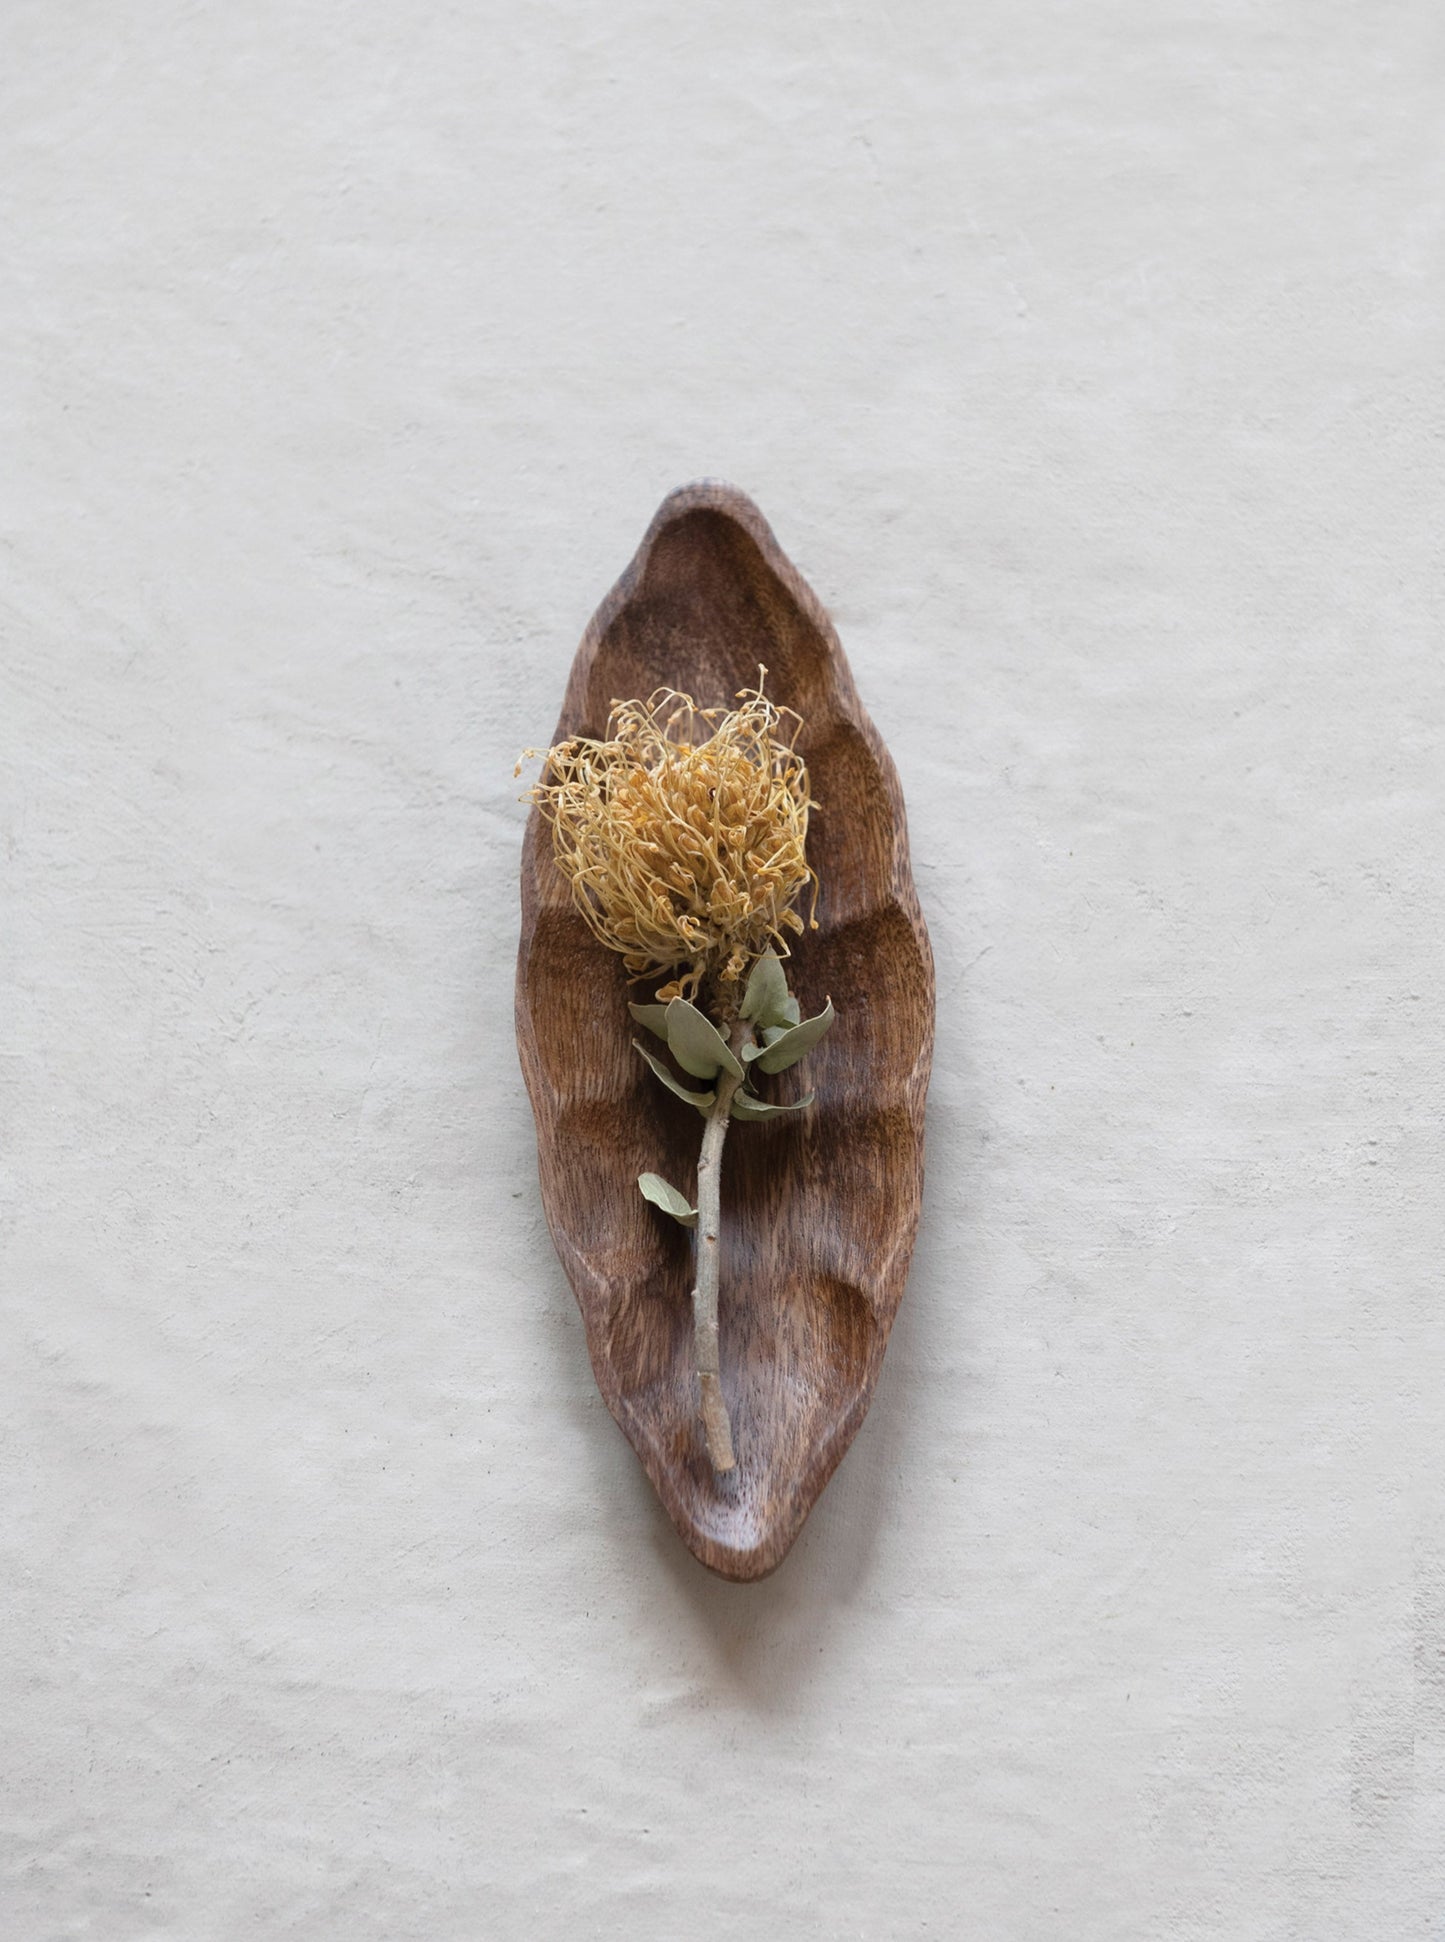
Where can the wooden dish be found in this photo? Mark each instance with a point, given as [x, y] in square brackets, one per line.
[820, 1209]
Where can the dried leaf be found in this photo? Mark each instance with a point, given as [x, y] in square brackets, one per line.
[746, 1106]
[767, 993]
[788, 1049]
[697, 1044]
[653, 1017]
[702, 1100]
[656, 1189]
[771, 1035]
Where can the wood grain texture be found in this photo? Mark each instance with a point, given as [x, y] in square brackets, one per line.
[820, 1209]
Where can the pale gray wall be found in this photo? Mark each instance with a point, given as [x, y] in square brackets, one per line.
[1088, 360]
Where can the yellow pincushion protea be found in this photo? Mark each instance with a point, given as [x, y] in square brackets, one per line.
[683, 834]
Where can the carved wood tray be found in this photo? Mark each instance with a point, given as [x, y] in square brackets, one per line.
[820, 1209]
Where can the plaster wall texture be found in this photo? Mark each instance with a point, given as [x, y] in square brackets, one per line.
[1088, 360]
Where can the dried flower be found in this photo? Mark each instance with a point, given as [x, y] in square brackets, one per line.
[682, 832]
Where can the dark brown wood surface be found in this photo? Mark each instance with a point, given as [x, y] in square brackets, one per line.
[820, 1209]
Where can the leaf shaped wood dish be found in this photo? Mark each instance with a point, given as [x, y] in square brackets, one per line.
[819, 1208]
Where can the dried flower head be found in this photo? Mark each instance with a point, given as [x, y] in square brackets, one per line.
[683, 833]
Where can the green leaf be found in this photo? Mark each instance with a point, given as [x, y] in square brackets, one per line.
[702, 1100]
[697, 1044]
[654, 1017]
[766, 998]
[656, 1189]
[788, 1049]
[746, 1106]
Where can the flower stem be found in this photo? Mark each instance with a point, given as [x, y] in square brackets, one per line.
[705, 1293]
